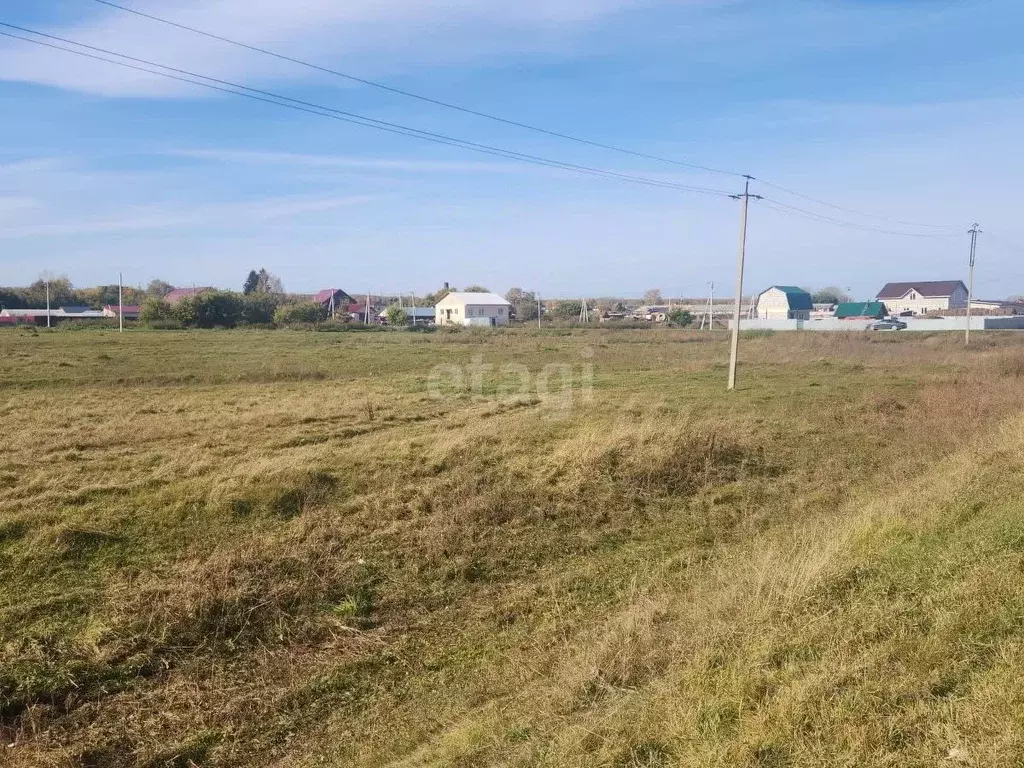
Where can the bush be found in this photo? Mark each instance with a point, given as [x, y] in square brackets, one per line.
[259, 308]
[156, 311]
[308, 312]
[213, 309]
[680, 317]
[397, 317]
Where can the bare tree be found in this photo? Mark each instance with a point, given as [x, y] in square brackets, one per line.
[652, 296]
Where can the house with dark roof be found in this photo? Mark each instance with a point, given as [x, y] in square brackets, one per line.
[860, 310]
[784, 302]
[924, 297]
[334, 300]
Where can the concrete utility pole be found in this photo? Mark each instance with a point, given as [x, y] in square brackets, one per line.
[47, 302]
[120, 303]
[738, 305]
[711, 306]
[973, 232]
[538, 310]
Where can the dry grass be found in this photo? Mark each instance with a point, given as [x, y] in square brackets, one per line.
[213, 559]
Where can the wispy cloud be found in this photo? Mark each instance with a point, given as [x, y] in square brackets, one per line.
[147, 218]
[293, 159]
[315, 29]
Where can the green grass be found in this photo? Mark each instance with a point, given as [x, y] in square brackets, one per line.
[282, 548]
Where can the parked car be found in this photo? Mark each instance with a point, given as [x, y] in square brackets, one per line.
[890, 324]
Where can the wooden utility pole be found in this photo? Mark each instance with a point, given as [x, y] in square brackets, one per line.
[973, 232]
[738, 305]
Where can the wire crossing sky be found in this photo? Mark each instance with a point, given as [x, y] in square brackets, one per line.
[540, 144]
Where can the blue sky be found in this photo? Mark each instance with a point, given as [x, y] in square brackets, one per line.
[911, 110]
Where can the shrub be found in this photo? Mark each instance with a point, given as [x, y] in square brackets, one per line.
[156, 311]
[259, 308]
[300, 312]
[213, 309]
[397, 317]
[680, 317]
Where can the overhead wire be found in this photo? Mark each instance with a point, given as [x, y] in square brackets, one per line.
[281, 100]
[781, 207]
[412, 95]
[497, 118]
[851, 210]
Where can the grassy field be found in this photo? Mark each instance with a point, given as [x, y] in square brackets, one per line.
[301, 549]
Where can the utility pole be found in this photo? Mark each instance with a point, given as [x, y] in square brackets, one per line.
[538, 310]
[47, 302]
[973, 232]
[711, 306]
[120, 303]
[709, 311]
[738, 305]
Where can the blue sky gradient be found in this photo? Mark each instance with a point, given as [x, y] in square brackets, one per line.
[910, 110]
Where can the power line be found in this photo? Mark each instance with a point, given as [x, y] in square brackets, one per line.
[269, 97]
[1005, 243]
[851, 210]
[814, 216]
[497, 118]
[411, 95]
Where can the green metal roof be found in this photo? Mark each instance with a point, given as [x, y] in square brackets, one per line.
[875, 309]
[798, 298]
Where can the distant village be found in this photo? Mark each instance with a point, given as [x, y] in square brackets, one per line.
[263, 302]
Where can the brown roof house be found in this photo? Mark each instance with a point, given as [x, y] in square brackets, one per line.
[923, 297]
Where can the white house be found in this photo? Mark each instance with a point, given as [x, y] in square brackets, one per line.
[784, 302]
[924, 297]
[461, 308]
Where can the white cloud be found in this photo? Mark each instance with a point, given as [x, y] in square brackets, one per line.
[293, 159]
[309, 29]
[157, 217]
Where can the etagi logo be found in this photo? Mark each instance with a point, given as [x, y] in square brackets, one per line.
[556, 386]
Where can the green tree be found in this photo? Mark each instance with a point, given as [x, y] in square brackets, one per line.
[475, 289]
[397, 316]
[62, 293]
[567, 310]
[251, 282]
[259, 308]
[184, 312]
[680, 317]
[269, 283]
[300, 313]
[155, 311]
[524, 304]
[13, 298]
[212, 309]
[159, 288]
[262, 282]
[432, 298]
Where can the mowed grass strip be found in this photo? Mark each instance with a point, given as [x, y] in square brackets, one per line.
[255, 548]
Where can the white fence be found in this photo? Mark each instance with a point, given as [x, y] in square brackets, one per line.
[978, 323]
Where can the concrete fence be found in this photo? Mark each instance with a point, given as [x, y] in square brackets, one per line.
[978, 323]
